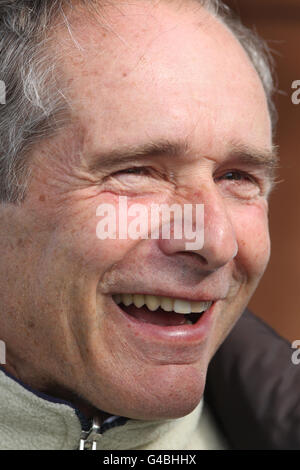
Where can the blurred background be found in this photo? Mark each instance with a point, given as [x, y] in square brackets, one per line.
[277, 300]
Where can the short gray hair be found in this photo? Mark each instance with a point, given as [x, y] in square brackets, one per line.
[35, 106]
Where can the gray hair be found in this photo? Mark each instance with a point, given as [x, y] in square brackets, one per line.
[35, 106]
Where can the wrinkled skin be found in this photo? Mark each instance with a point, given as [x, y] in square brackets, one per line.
[158, 73]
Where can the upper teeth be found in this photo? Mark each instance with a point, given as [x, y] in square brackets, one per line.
[153, 302]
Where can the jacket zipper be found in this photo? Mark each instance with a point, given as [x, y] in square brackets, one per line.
[88, 440]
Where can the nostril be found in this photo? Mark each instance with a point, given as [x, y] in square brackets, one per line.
[194, 255]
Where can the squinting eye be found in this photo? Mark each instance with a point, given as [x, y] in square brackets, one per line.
[133, 171]
[240, 178]
[237, 176]
[239, 184]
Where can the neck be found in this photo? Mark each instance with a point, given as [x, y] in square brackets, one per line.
[61, 393]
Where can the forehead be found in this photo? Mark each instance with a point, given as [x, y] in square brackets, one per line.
[152, 71]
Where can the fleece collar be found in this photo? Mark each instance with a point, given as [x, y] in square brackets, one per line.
[35, 421]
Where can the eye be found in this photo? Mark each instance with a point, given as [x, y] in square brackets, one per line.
[136, 180]
[138, 170]
[237, 176]
[240, 184]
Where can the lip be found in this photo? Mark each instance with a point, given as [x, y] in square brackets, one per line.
[168, 344]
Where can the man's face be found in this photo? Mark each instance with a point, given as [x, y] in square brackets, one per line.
[156, 77]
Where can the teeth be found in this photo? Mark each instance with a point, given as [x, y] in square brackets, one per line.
[127, 299]
[152, 302]
[198, 307]
[168, 304]
[182, 306]
[117, 298]
[138, 300]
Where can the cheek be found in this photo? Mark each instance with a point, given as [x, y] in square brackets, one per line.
[98, 243]
[252, 232]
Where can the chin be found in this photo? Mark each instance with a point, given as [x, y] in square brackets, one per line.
[174, 410]
[174, 392]
[167, 407]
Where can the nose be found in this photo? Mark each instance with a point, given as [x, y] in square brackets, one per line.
[220, 244]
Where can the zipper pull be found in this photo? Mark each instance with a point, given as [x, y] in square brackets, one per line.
[88, 439]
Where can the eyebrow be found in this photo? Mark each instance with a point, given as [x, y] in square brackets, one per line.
[267, 159]
[129, 153]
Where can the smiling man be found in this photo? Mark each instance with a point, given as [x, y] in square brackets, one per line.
[159, 102]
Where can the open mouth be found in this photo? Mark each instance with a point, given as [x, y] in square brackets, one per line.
[163, 311]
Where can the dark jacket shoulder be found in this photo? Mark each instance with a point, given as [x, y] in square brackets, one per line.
[253, 388]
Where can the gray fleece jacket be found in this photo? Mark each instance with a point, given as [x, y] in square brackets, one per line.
[33, 421]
